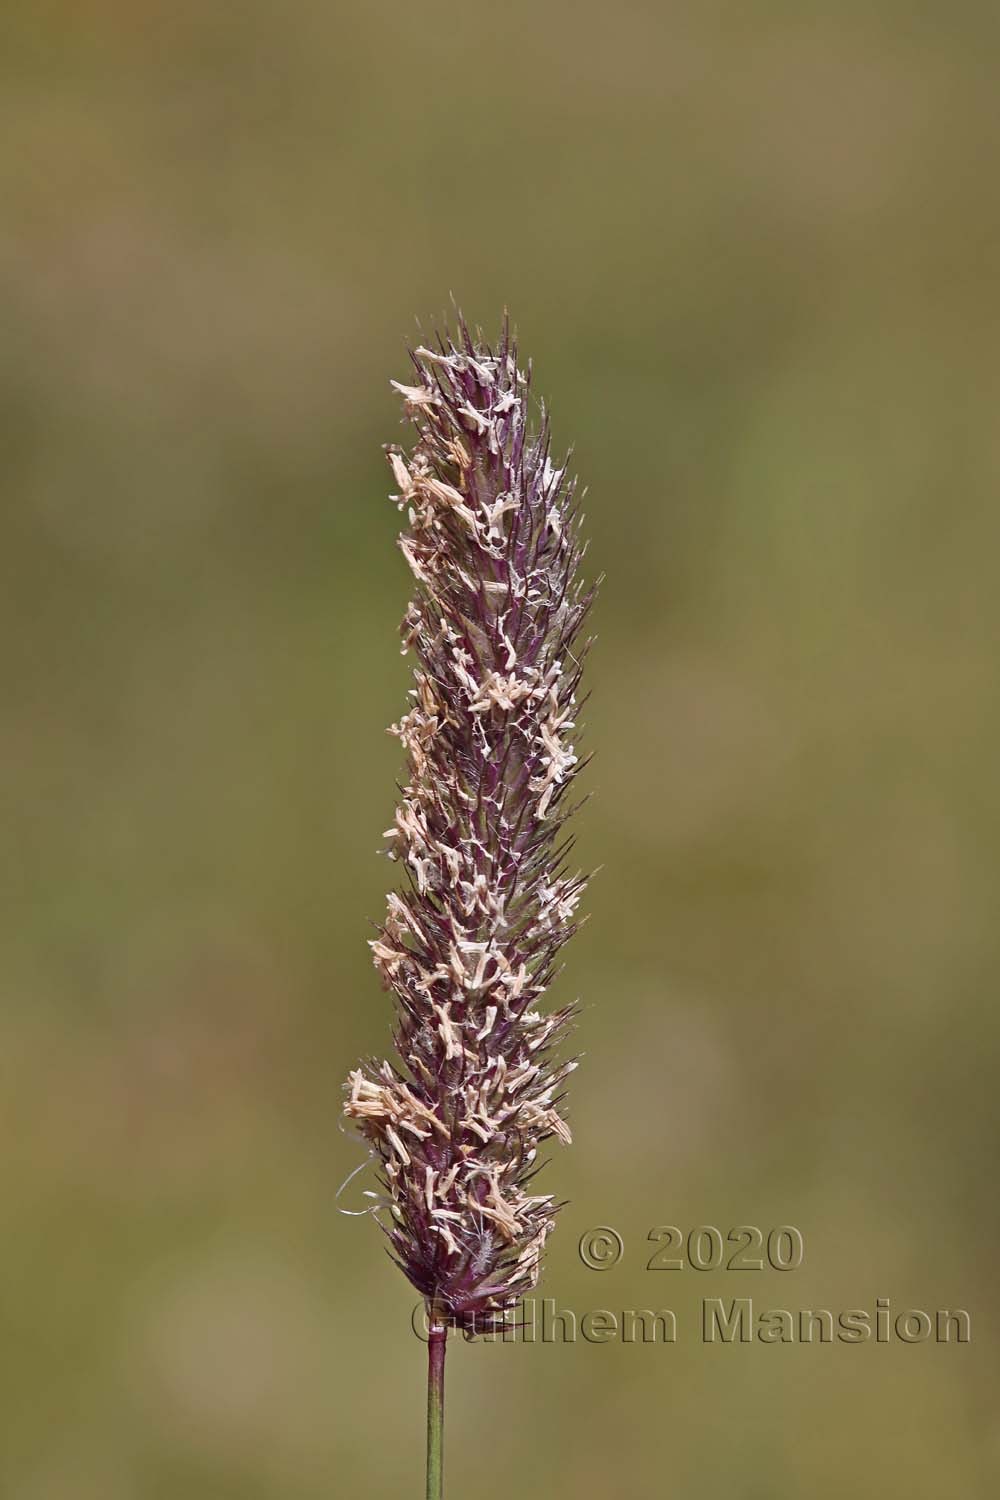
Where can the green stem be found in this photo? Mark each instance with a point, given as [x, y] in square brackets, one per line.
[436, 1339]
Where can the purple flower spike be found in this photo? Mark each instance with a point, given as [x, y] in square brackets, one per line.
[470, 943]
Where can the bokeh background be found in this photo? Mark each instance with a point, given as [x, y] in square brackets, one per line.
[752, 250]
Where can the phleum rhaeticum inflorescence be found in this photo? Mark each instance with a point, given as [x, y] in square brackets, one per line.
[470, 942]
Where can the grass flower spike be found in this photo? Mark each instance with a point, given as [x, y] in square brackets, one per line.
[471, 939]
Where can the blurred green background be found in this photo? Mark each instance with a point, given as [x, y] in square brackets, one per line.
[752, 250]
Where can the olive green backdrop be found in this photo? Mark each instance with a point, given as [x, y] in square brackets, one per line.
[752, 250]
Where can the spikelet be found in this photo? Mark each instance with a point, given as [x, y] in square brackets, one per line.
[470, 942]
